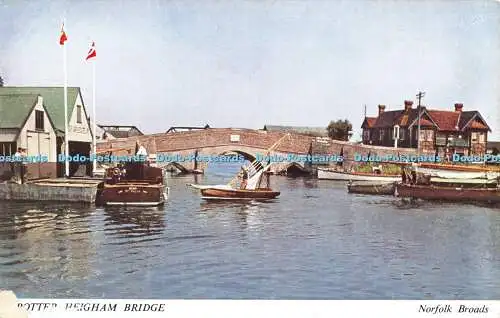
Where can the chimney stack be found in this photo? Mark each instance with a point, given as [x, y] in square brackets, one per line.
[408, 105]
[381, 109]
[458, 107]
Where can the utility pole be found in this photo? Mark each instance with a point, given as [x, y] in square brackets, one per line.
[419, 96]
[365, 110]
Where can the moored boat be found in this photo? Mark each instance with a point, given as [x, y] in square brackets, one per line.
[133, 184]
[237, 194]
[378, 188]
[488, 183]
[457, 174]
[431, 192]
[332, 174]
[457, 167]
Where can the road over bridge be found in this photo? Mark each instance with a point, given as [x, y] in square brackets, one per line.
[248, 143]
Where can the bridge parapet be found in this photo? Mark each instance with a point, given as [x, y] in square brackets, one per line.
[219, 140]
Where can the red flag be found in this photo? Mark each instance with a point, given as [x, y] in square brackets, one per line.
[91, 52]
[63, 37]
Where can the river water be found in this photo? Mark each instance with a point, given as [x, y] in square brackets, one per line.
[314, 242]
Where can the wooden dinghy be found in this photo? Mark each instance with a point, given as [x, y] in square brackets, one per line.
[237, 194]
[377, 188]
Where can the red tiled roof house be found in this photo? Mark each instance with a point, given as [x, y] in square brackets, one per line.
[442, 132]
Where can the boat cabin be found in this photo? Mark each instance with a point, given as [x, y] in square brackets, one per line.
[134, 172]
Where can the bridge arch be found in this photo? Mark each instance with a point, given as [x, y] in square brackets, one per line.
[248, 156]
[172, 166]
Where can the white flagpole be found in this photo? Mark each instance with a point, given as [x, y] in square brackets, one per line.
[66, 131]
[94, 116]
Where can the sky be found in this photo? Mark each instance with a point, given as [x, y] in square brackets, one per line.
[250, 63]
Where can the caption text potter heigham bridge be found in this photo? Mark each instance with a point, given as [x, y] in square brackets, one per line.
[131, 307]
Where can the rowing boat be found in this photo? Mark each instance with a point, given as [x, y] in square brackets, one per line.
[379, 188]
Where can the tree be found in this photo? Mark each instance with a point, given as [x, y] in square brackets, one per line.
[339, 130]
[1, 81]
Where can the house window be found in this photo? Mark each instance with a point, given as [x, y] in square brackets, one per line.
[79, 114]
[482, 137]
[429, 136]
[7, 148]
[382, 134]
[473, 137]
[402, 134]
[39, 120]
[366, 134]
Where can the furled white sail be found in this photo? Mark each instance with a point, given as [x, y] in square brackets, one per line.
[217, 186]
[450, 174]
[254, 181]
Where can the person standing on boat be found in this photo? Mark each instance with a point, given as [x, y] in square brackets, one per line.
[24, 157]
[142, 153]
[16, 165]
[244, 178]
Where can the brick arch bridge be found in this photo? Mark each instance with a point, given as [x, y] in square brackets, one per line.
[246, 142]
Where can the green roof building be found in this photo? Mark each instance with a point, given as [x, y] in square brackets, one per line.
[33, 118]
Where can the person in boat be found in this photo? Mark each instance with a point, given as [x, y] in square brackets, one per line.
[118, 173]
[244, 178]
[123, 171]
[413, 177]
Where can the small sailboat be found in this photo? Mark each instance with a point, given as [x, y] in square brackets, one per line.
[253, 190]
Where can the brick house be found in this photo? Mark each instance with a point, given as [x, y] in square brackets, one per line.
[441, 132]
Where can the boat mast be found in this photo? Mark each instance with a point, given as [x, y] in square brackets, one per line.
[256, 163]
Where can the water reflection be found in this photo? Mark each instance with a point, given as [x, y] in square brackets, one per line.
[134, 221]
[314, 241]
[51, 239]
[248, 214]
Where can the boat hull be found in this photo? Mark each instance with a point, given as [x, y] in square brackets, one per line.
[345, 176]
[235, 194]
[457, 174]
[378, 188]
[133, 195]
[429, 192]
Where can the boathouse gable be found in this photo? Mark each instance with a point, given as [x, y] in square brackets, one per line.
[37, 134]
[25, 123]
[79, 122]
[79, 133]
